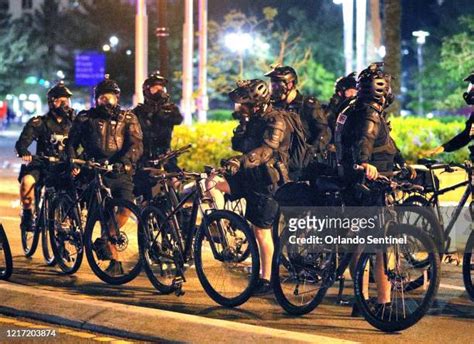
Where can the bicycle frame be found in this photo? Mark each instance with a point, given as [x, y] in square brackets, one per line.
[197, 194]
[433, 200]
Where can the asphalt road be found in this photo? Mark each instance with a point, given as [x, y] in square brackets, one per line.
[450, 320]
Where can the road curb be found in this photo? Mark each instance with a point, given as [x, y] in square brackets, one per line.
[135, 322]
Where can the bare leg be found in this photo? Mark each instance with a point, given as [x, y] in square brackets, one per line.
[120, 219]
[27, 191]
[383, 284]
[265, 244]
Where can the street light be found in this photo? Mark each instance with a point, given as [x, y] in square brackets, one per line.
[348, 19]
[420, 40]
[106, 47]
[238, 42]
[113, 41]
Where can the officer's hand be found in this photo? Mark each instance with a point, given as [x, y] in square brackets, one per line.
[412, 171]
[75, 171]
[27, 158]
[434, 151]
[371, 172]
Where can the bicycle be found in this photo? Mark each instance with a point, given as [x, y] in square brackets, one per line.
[110, 234]
[430, 199]
[6, 261]
[220, 240]
[302, 275]
[44, 193]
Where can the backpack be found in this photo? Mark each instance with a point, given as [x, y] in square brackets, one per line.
[299, 151]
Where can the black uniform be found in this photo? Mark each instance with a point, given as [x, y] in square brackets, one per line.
[363, 136]
[463, 138]
[334, 108]
[116, 138]
[315, 124]
[157, 122]
[264, 140]
[50, 136]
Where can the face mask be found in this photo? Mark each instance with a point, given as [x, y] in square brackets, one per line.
[159, 97]
[63, 110]
[109, 109]
[279, 90]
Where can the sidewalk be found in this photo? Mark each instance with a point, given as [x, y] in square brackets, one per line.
[138, 323]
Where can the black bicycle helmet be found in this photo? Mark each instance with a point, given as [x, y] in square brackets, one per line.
[255, 92]
[373, 84]
[346, 82]
[283, 73]
[106, 86]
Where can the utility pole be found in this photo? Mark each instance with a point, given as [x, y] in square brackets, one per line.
[203, 100]
[162, 33]
[187, 97]
[361, 23]
[420, 41]
[141, 50]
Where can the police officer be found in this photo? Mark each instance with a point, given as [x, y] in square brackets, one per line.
[106, 132]
[157, 117]
[467, 134]
[345, 89]
[362, 131]
[50, 132]
[263, 138]
[363, 137]
[286, 96]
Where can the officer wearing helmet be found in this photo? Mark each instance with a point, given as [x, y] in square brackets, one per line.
[108, 133]
[286, 96]
[157, 117]
[50, 132]
[362, 131]
[467, 134]
[263, 138]
[345, 89]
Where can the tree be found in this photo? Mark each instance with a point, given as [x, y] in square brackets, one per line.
[392, 16]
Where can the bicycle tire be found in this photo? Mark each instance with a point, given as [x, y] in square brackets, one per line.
[204, 232]
[29, 250]
[467, 266]
[89, 245]
[151, 253]
[287, 263]
[62, 203]
[396, 323]
[7, 270]
[48, 254]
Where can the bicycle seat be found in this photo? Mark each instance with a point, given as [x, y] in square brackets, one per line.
[328, 184]
[427, 162]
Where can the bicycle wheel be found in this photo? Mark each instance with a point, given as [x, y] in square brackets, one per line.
[299, 277]
[157, 246]
[406, 307]
[112, 246]
[468, 266]
[48, 254]
[218, 247]
[65, 233]
[6, 261]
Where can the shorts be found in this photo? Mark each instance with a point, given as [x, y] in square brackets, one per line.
[121, 185]
[262, 209]
[34, 169]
